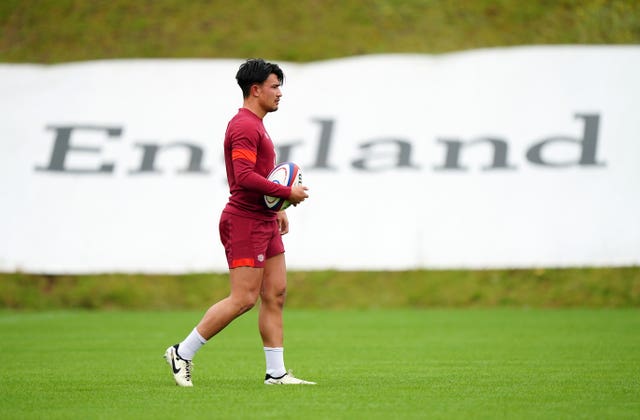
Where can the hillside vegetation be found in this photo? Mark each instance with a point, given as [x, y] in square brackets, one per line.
[540, 288]
[51, 31]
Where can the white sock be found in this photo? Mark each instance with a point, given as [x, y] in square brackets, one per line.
[190, 345]
[275, 361]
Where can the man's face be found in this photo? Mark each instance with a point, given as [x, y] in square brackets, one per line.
[269, 93]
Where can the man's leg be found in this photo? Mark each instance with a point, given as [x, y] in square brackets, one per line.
[272, 296]
[245, 288]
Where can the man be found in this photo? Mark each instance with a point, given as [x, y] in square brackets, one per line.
[250, 232]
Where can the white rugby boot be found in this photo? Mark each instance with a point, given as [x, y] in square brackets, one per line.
[286, 379]
[180, 367]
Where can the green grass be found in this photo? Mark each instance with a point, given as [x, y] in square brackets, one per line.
[571, 287]
[375, 364]
[49, 31]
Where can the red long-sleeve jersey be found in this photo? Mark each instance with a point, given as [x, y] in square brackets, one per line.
[249, 157]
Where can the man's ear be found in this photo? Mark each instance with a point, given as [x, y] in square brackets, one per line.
[255, 90]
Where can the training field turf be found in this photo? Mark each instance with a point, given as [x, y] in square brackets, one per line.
[464, 363]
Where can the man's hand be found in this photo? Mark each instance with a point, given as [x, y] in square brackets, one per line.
[298, 194]
[283, 222]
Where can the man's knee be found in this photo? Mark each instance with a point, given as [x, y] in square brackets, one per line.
[245, 302]
[274, 296]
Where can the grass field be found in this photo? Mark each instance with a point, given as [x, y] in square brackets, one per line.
[449, 363]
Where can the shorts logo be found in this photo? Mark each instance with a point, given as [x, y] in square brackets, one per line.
[260, 257]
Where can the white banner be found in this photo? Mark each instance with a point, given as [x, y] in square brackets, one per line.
[520, 157]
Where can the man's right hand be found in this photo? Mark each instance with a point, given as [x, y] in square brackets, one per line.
[298, 194]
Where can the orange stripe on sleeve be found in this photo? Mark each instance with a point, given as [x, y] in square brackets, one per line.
[243, 154]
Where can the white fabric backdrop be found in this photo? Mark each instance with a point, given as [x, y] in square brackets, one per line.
[394, 149]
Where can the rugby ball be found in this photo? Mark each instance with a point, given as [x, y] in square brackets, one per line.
[287, 173]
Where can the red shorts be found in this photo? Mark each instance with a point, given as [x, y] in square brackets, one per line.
[249, 242]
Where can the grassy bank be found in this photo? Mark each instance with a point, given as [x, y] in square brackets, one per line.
[588, 287]
[49, 31]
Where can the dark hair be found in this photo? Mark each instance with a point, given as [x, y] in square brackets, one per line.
[256, 70]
